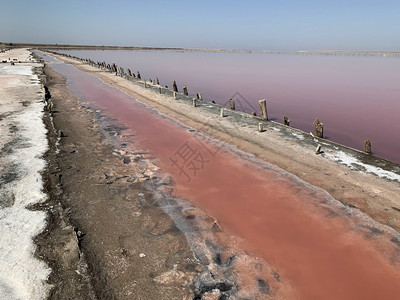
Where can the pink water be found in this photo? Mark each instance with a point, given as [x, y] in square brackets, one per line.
[279, 218]
[356, 97]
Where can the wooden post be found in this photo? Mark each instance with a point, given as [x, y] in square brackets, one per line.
[159, 89]
[145, 85]
[174, 95]
[232, 104]
[222, 112]
[129, 73]
[194, 102]
[367, 147]
[174, 86]
[319, 128]
[286, 121]
[263, 108]
[260, 127]
[200, 96]
[60, 133]
[138, 75]
[185, 91]
[158, 82]
[318, 150]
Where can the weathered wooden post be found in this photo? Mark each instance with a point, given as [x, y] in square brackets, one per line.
[174, 93]
[222, 112]
[138, 75]
[286, 121]
[185, 91]
[60, 133]
[319, 128]
[51, 108]
[159, 90]
[318, 150]
[129, 72]
[232, 104]
[367, 147]
[199, 96]
[174, 86]
[263, 108]
[145, 85]
[260, 127]
[194, 102]
[158, 82]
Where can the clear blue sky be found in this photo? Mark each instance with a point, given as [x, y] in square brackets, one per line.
[277, 24]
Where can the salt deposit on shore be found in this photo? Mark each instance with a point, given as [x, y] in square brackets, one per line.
[354, 164]
[22, 143]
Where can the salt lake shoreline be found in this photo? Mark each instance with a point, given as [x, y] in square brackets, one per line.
[377, 197]
[343, 172]
[81, 182]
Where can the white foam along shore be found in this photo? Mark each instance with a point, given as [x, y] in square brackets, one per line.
[22, 143]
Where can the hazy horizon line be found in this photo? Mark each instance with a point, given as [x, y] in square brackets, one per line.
[56, 46]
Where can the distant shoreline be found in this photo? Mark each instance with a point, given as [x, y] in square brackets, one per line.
[4, 45]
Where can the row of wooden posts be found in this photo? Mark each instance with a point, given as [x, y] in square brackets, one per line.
[318, 125]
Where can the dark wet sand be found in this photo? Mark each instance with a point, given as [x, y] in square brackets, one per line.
[88, 189]
[320, 253]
